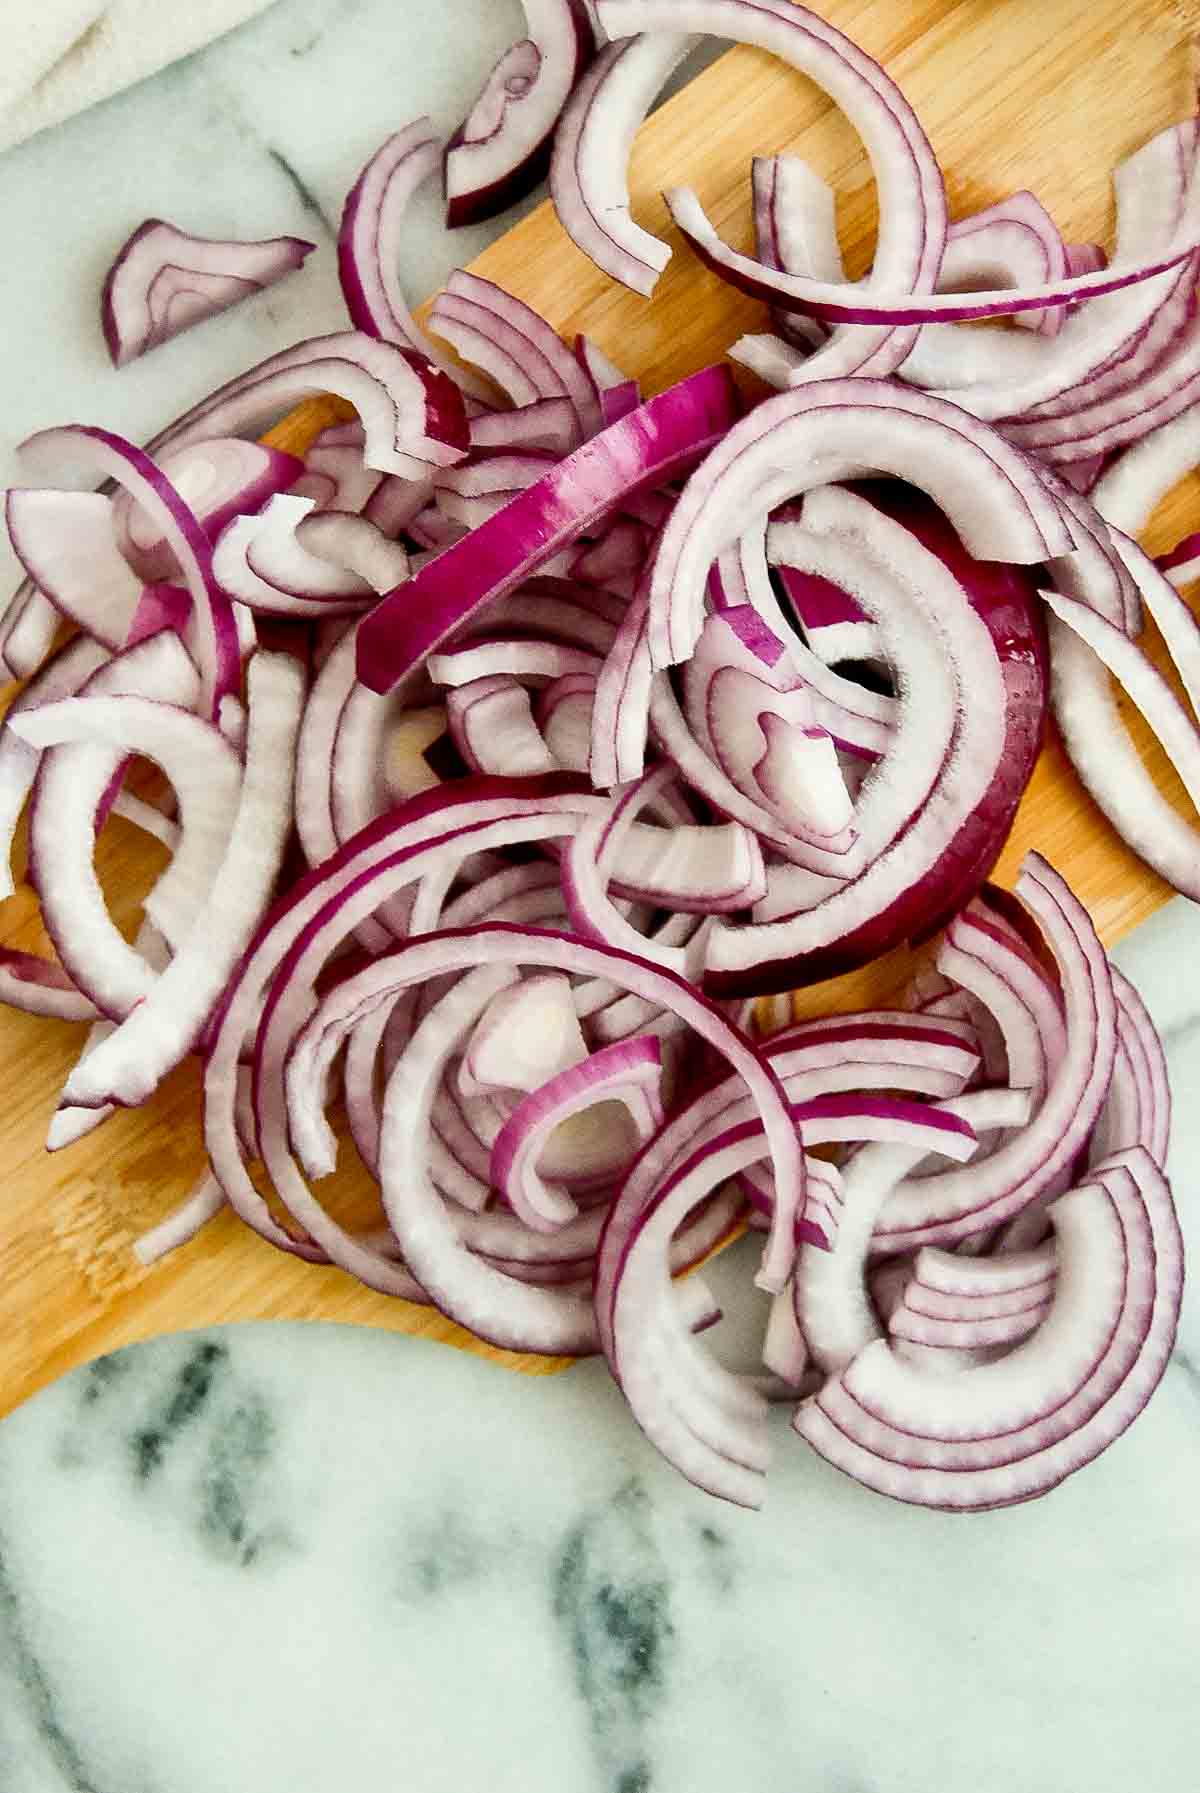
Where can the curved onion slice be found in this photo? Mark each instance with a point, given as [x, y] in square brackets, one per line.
[993, 636]
[213, 630]
[369, 242]
[1007, 1431]
[219, 479]
[206, 775]
[1085, 648]
[591, 151]
[832, 1304]
[412, 414]
[66, 543]
[630, 1071]
[502, 148]
[164, 280]
[912, 230]
[130, 1063]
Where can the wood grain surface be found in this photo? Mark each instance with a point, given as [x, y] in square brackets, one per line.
[1046, 94]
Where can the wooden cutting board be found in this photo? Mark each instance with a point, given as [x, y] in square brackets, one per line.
[1046, 94]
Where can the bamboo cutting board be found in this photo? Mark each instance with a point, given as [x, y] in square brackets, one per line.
[1047, 94]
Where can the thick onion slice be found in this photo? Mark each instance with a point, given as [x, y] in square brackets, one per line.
[647, 447]
[164, 280]
[158, 1033]
[502, 148]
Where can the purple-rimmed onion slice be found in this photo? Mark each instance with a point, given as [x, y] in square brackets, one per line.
[502, 148]
[164, 280]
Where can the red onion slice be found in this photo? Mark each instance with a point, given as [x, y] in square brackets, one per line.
[1108, 762]
[65, 542]
[1010, 1430]
[206, 775]
[832, 1304]
[629, 1072]
[164, 280]
[955, 1204]
[412, 414]
[645, 448]
[912, 204]
[370, 239]
[502, 148]
[127, 1066]
[994, 497]
[219, 479]
[591, 152]
[213, 630]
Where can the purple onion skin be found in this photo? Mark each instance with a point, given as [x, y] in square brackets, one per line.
[488, 202]
[1006, 598]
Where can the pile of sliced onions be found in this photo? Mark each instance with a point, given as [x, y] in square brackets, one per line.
[594, 715]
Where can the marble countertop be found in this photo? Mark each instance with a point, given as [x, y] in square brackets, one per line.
[312, 1558]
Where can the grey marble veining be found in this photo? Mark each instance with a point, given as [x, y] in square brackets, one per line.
[314, 1557]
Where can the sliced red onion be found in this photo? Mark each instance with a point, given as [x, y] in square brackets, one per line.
[356, 545]
[527, 1035]
[40, 987]
[69, 1122]
[204, 1204]
[213, 632]
[551, 424]
[514, 657]
[645, 448]
[514, 339]
[1105, 346]
[62, 676]
[564, 717]
[412, 414]
[206, 776]
[912, 198]
[370, 239]
[335, 475]
[835, 625]
[936, 863]
[591, 152]
[268, 586]
[629, 1072]
[955, 1204]
[164, 280]
[491, 720]
[457, 1280]
[65, 542]
[1014, 243]
[1085, 648]
[604, 373]
[502, 148]
[994, 497]
[1013, 1429]
[795, 228]
[29, 630]
[218, 479]
[832, 1303]
[471, 492]
[158, 1033]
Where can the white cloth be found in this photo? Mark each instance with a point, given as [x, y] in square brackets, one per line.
[58, 56]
